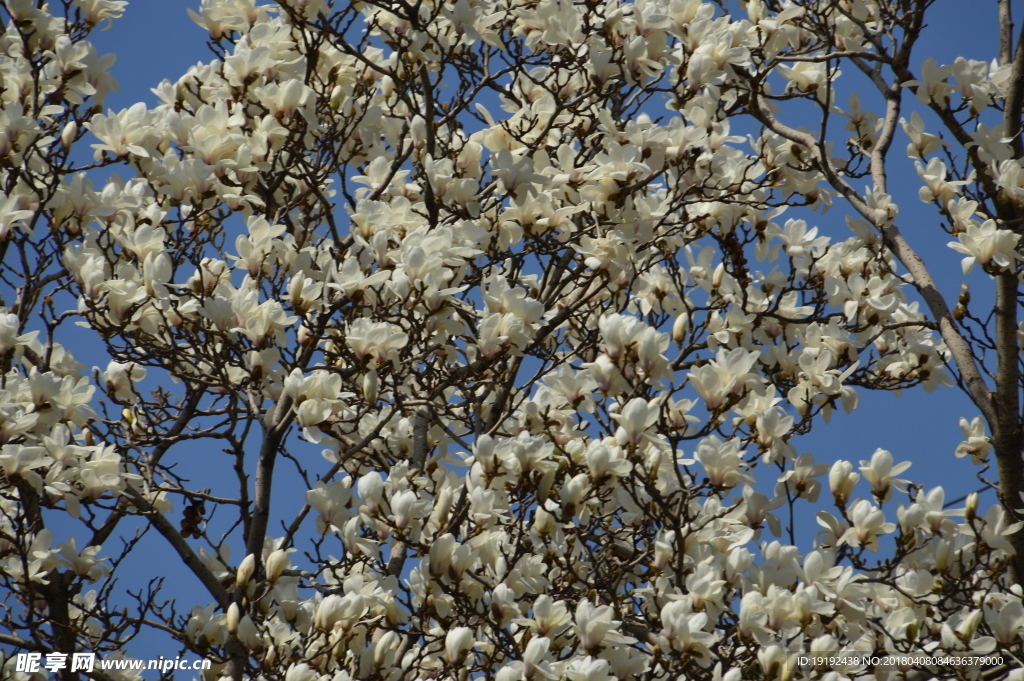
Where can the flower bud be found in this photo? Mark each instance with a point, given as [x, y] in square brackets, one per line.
[277, 562]
[536, 651]
[388, 642]
[458, 642]
[418, 129]
[328, 612]
[681, 326]
[232, 618]
[663, 547]
[371, 490]
[301, 672]
[441, 551]
[371, 386]
[245, 571]
[842, 480]
[403, 505]
[544, 523]
[910, 517]
[248, 634]
[68, 134]
[718, 275]
[772, 660]
[971, 511]
[337, 96]
[970, 625]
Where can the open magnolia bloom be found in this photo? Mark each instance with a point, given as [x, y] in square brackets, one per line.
[476, 339]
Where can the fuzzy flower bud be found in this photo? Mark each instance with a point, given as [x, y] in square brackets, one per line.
[680, 327]
[971, 509]
[277, 562]
[457, 643]
[232, 618]
[842, 480]
[68, 134]
[245, 570]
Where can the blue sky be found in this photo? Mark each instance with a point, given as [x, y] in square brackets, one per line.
[157, 40]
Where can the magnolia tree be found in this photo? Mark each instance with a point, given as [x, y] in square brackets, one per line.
[469, 340]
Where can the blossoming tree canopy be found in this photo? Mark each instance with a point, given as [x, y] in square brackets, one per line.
[475, 340]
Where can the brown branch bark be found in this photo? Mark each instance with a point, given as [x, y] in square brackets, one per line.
[181, 547]
[264, 481]
[1007, 436]
[1015, 99]
[1005, 32]
[1006, 431]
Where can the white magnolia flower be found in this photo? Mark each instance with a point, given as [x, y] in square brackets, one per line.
[986, 244]
[868, 524]
[977, 445]
[879, 471]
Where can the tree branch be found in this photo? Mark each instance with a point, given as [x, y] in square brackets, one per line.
[958, 346]
[1015, 100]
[166, 442]
[178, 543]
[1005, 32]
[264, 481]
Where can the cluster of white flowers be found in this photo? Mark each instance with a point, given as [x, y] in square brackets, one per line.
[555, 360]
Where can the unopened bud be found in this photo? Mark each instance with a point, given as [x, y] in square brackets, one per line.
[67, 136]
[245, 571]
[248, 634]
[418, 128]
[276, 564]
[457, 644]
[387, 643]
[681, 326]
[971, 511]
[842, 480]
[718, 275]
[965, 295]
[233, 616]
[337, 94]
[371, 385]
[970, 625]
[330, 610]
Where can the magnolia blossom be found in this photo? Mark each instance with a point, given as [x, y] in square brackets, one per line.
[635, 418]
[977, 445]
[879, 471]
[868, 523]
[466, 340]
[376, 341]
[722, 461]
[986, 244]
